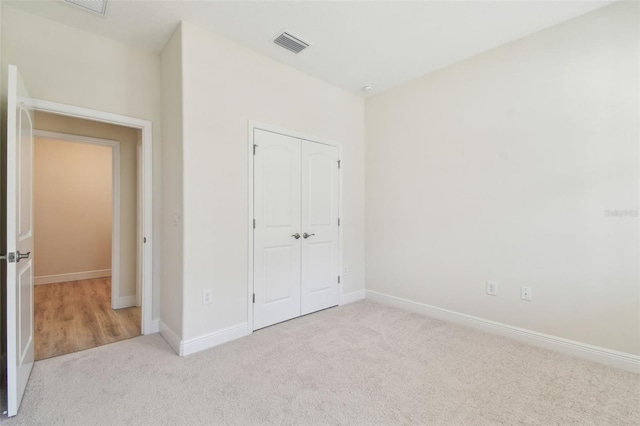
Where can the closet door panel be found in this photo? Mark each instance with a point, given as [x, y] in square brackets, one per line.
[277, 204]
[320, 242]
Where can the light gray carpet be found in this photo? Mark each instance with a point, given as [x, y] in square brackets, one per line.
[362, 363]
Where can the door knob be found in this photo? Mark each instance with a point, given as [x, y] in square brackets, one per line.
[20, 256]
[305, 235]
[296, 236]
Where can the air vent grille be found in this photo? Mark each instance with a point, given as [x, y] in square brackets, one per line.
[95, 6]
[291, 43]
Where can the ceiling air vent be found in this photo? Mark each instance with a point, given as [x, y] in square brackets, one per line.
[289, 42]
[94, 6]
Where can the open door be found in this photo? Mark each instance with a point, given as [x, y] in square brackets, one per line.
[20, 346]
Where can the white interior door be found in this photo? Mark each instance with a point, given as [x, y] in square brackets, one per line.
[277, 228]
[20, 352]
[320, 242]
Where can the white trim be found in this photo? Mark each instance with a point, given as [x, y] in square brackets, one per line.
[354, 296]
[200, 343]
[170, 337]
[73, 276]
[115, 199]
[90, 114]
[250, 158]
[139, 217]
[155, 326]
[253, 125]
[291, 133]
[68, 137]
[606, 356]
[125, 302]
[146, 127]
[209, 340]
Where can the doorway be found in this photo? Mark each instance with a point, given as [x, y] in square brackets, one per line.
[145, 197]
[86, 257]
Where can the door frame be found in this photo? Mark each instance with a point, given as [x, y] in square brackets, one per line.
[256, 125]
[146, 128]
[139, 219]
[115, 200]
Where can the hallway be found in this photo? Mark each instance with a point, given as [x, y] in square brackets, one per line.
[77, 315]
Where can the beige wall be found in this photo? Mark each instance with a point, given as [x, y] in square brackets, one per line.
[128, 139]
[172, 142]
[70, 66]
[224, 86]
[72, 197]
[501, 168]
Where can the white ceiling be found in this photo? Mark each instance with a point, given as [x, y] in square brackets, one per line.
[383, 43]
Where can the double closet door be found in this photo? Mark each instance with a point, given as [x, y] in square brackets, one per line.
[296, 244]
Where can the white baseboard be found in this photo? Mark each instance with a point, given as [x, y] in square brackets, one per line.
[606, 356]
[125, 302]
[73, 276]
[200, 343]
[354, 296]
[197, 344]
[153, 328]
[170, 337]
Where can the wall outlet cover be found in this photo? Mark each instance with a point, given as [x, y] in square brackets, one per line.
[525, 293]
[492, 288]
[207, 296]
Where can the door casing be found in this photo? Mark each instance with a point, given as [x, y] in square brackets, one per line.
[145, 127]
[253, 125]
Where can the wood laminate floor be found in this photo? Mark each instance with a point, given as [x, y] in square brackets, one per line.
[77, 315]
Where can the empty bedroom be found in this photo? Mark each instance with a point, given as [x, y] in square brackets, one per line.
[346, 212]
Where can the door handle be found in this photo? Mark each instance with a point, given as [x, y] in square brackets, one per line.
[296, 236]
[305, 235]
[20, 256]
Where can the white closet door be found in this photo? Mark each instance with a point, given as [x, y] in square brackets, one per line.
[277, 222]
[320, 243]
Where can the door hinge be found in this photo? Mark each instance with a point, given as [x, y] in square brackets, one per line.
[254, 298]
[338, 279]
[144, 239]
[338, 221]
[254, 224]
[339, 163]
[254, 148]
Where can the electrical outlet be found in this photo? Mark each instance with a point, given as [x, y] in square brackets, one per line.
[492, 288]
[207, 296]
[345, 271]
[525, 293]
